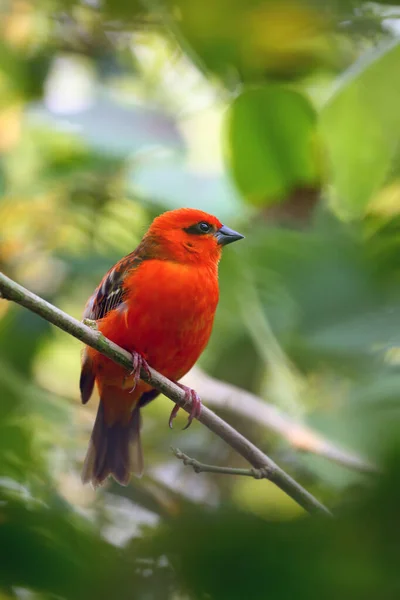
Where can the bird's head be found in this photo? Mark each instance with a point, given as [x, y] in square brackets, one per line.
[188, 235]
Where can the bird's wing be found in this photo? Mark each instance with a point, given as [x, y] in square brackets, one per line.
[110, 293]
[107, 296]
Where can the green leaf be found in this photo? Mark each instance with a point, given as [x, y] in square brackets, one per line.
[270, 152]
[360, 126]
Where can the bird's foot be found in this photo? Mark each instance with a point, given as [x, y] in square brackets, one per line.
[195, 411]
[138, 363]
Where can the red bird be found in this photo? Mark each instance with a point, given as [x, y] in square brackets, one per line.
[159, 304]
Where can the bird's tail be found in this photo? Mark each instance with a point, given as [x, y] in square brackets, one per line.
[113, 450]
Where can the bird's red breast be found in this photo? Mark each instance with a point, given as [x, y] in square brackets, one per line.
[167, 317]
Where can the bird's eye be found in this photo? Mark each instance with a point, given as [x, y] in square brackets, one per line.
[204, 227]
[199, 228]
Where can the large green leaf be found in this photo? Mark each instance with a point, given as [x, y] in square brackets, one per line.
[270, 151]
[361, 128]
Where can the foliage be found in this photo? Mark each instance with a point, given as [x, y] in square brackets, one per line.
[281, 118]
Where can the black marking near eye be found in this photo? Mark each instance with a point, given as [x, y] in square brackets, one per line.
[201, 228]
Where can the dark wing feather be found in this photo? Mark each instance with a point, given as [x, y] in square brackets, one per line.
[110, 293]
[107, 296]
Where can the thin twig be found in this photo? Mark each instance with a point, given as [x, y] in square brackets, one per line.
[199, 467]
[13, 291]
[225, 396]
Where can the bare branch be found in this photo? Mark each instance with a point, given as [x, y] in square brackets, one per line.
[10, 290]
[199, 467]
[226, 396]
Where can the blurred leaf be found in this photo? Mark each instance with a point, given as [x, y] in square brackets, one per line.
[361, 128]
[270, 148]
[354, 557]
[17, 458]
[22, 74]
[365, 331]
[133, 12]
[21, 335]
[251, 40]
[47, 549]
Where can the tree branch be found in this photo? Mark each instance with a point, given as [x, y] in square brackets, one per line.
[10, 290]
[199, 467]
[225, 396]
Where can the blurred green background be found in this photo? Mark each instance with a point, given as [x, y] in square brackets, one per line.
[282, 117]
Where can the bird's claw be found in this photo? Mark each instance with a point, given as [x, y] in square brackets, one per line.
[173, 414]
[196, 406]
[190, 395]
[138, 363]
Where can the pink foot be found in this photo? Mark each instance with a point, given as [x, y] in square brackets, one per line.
[138, 363]
[190, 395]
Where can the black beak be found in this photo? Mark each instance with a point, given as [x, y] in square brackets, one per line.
[225, 236]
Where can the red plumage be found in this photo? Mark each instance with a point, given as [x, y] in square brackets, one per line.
[159, 304]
